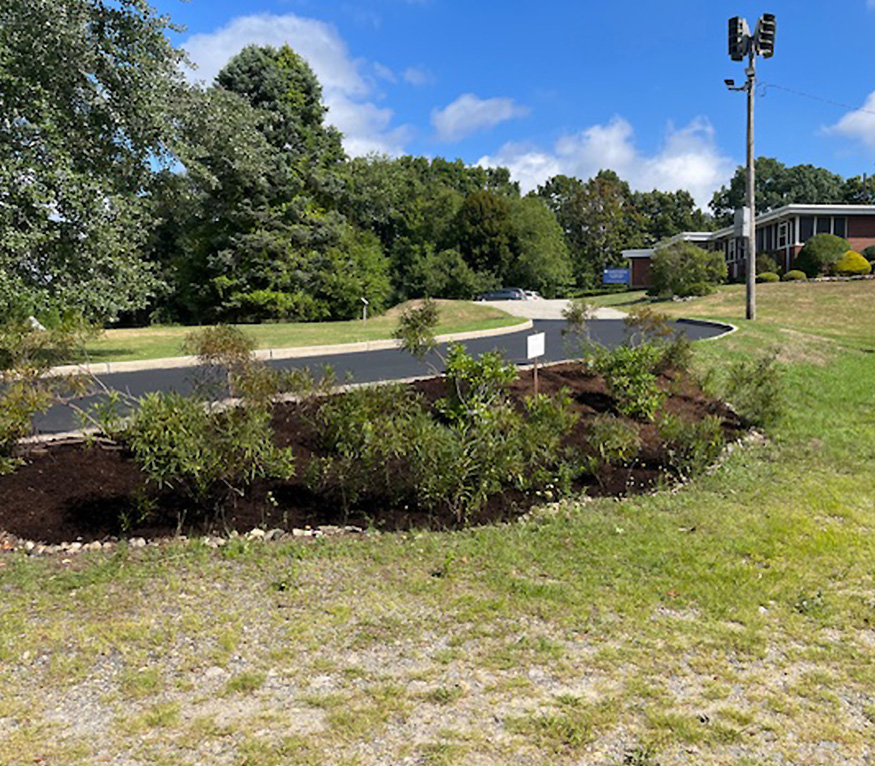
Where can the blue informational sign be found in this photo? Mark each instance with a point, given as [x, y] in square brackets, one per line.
[615, 277]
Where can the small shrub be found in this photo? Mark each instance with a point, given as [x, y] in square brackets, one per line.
[819, 253]
[577, 314]
[475, 384]
[696, 290]
[691, 445]
[647, 325]
[851, 264]
[794, 275]
[768, 276]
[755, 389]
[765, 263]
[612, 441]
[868, 253]
[416, 329]
[683, 269]
[629, 375]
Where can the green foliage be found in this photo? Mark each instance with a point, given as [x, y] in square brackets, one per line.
[444, 274]
[416, 329]
[646, 325]
[851, 264]
[794, 275]
[868, 253]
[683, 269]
[476, 385]
[768, 276]
[577, 314]
[612, 441]
[629, 375]
[691, 445]
[819, 253]
[755, 389]
[542, 261]
[765, 263]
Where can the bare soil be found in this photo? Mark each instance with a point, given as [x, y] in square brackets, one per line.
[74, 492]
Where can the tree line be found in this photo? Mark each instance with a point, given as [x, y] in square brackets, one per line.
[128, 194]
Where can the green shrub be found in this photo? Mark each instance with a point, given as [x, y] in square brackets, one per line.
[690, 445]
[819, 253]
[765, 263]
[794, 275]
[629, 375]
[851, 264]
[416, 329]
[755, 389]
[697, 290]
[868, 253]
[683, 269]
[475, 385]
[768, 276]
[612, 441]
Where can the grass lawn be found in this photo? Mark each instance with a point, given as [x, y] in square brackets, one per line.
[167, 341]
[729, 622]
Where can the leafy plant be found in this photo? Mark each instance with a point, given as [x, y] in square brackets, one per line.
[794, 275]
[767, 276]
[755, 389]
[819, 253]
[683, 269]
[612, 441]
[416, 329]
[691, 445]
[476, 385]
[851, 264]
[577, 314]
[629, 376]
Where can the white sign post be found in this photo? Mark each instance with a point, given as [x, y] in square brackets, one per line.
[535, 347]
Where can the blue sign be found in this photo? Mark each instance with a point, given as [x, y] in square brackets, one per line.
[615, 277]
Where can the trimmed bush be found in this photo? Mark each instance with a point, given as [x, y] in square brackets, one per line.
[768, 276]
[868, 253]
[851, 264]
[765, 263]
[794, 276]
[683, 269]
[819, 254]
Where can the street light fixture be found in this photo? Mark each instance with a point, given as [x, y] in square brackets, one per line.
[742, 43]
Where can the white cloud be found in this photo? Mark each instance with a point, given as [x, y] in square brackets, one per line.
[859, 124]
[469, 114]
[417, 76]
[689, 159]
[346, 92]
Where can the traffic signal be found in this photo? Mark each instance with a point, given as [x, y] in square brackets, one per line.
[766, 35]
[739, 38]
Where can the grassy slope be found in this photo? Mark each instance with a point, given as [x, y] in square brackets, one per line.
[162, 342]
[730, 622]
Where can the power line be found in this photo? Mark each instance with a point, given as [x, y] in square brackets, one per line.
[766, 85]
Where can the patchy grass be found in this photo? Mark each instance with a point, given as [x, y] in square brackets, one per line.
[730, 621]
[161, 342]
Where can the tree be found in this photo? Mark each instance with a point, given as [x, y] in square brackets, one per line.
[819, 253]
[88, 96]
[599, 220]
[683, 269]
[541, 260]
[484, 233]
[664, 214]
[776, 186]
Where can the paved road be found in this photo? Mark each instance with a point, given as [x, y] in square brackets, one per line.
[366, 367]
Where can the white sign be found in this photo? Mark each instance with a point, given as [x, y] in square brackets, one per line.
[535, 345]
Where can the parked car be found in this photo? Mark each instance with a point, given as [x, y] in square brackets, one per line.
[504, 294]
[533, 295]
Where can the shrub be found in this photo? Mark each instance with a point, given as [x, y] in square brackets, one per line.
[819, 253]
[683, 269]
[416, 329]
[765, 263]
[475, 385]
[794, 275]
[868, 253]
[577, 314]
[851, 264]
[612, 441]
[690, 445]
[755, 389]
[768, 276]
[629, 375]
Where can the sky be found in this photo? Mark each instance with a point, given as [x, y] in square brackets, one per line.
[569, 86]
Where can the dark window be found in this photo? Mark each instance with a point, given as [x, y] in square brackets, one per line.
[822, 224]
[806, 228]
[840, 227]
[770, 244]
[761, 238]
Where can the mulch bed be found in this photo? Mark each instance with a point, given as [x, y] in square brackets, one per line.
[73, 492]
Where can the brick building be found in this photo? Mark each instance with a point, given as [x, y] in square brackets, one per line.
[780, 233]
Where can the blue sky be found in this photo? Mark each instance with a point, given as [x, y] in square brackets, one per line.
[569, 87]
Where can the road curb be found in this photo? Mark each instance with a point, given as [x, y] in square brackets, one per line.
[727, 328]
[298, 352]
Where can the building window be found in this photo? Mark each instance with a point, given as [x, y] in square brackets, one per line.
[840, 226]
[782, 235]
[806, 228]
[823, 224]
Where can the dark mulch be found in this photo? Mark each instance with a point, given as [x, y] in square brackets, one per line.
[73, 492]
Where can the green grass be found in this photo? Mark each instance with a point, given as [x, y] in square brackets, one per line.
[727, 622]
[167, 341]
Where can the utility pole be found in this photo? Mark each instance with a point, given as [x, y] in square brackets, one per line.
[741, 43]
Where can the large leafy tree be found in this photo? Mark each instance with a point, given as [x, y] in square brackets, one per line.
[89, 91]
[776, 185]
[599, 219]
[262, 236]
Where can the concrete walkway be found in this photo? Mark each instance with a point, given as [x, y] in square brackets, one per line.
[548, 309]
